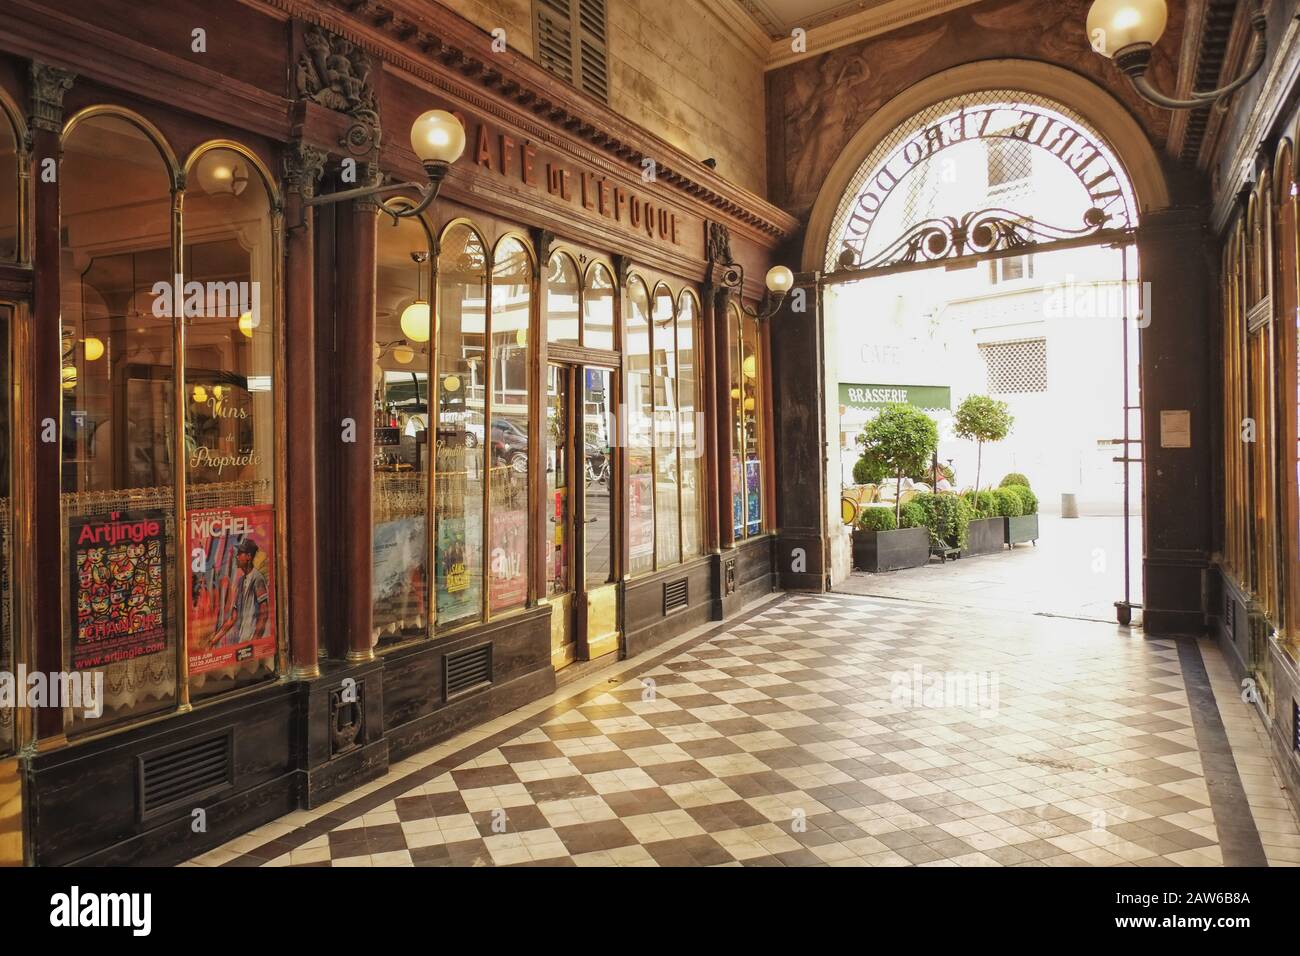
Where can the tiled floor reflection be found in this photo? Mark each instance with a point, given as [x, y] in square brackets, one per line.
[836, 731]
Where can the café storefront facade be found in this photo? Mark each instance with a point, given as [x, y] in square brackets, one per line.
[304, 487]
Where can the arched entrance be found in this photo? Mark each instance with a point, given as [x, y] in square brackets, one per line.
[966, 181]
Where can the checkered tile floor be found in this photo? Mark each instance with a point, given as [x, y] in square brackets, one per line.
[815, 731]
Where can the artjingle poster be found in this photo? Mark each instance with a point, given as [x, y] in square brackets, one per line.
[117, 597]
[232, 586]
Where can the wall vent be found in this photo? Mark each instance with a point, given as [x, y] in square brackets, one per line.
[1229, 615]
[184, 776]
[676, 595]
[467, 669]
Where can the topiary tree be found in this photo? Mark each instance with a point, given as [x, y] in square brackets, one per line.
[1028, 500]
[1007, 501]
[1015, 478]
[982, 419]
[864, 473]
[901, 439]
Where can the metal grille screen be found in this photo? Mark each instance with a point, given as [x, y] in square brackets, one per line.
[1016, 367]
[909, 173]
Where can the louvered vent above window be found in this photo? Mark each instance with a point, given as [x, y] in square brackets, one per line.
[570, 38]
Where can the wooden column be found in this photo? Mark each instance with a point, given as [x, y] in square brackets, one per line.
[706, 362]
[303, 167]
[724, 425]
[355, 377]
[48, 85]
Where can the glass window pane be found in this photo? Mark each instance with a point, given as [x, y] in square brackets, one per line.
[403, 277]
[8, 191]
[668, 543]
[640, 431]
[462, 300]
[690, 430]
[508, 512]
[7, 712]
[230, 425]
[562, 300]
[598, 430]
[598, 309]
[737, 432]
[751, 371]
[557, 528]
[119, 416]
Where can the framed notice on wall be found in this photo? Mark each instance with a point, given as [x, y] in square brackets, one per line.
[232, 586]
[117, 589]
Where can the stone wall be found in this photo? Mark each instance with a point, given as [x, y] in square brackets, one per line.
[676, 69]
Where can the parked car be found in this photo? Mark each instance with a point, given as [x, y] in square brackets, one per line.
[509, 445]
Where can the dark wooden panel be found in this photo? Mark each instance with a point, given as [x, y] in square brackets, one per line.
[644, 623]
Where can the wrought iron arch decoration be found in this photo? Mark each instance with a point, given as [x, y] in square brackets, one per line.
[909, 173]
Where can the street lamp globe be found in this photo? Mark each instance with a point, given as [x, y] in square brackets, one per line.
[1114, 25]
[437, 137]
[779, 279]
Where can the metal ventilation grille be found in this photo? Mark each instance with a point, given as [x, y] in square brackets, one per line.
[467, 669]
[186, 774]
[1229, 615]
[1016, 367]
[676, 595]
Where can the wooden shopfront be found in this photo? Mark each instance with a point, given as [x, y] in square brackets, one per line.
[357, 482]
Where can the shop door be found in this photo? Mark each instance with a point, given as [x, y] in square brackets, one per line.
[581, 574]
[598, 606]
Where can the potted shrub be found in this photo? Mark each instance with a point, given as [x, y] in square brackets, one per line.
[986, 530]
[880, 545]
[946, 516]
[1021, 527]
[899, 441]
[982, 419]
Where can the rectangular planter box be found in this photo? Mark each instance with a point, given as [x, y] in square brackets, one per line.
[1021, 529]
[890, 550]
[986, 536]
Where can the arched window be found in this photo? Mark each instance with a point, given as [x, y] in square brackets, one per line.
[640, 430]
[668, 542]
[509, 377]
[119, 441]
[563, 323]
[598, 308]
[747, 399]
[403, 450]
[11, 158]
[1287, 295]
[462, 439]
[689, 429]
[230, 259]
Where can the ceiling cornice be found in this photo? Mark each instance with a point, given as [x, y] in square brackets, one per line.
[733, 18]
[857, 26]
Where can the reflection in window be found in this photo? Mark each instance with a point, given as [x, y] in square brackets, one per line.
[562, 300]
[458, 530]
[508, 511]
[7, 713]
[690, 439]
[747, 409]
[668, 544]
[9, 198]
[403, 278]
[118, 437]
[230, 424]
[640, 431]
[598, 309]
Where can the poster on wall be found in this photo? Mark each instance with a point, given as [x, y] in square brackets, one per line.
[509, 559]
[753, 495]
[397, 588]
[231, 610]
[737, 499]
[458, 596]
[641, 515]
[117, 592]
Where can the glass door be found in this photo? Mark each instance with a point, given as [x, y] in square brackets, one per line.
[560, 525]
[598, 624]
